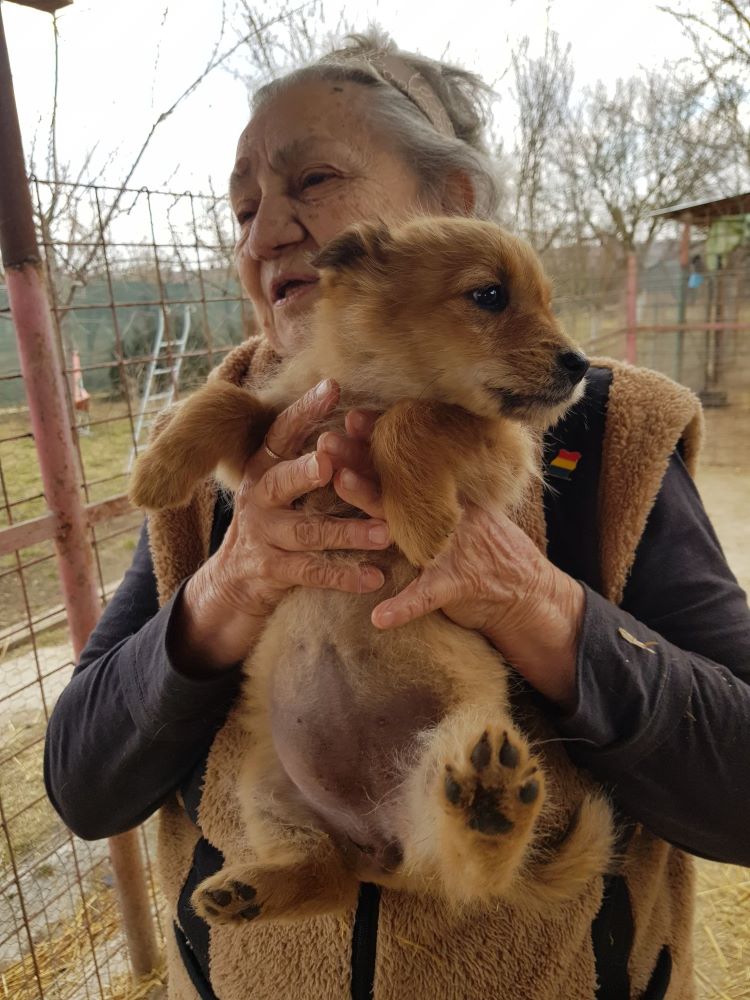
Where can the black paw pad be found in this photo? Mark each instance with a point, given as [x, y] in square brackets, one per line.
[528, 793]
[250, 912]
[243, 890]
[482, 752]
[452, 790]
[485, 816]
[220, 896]
[509, 755]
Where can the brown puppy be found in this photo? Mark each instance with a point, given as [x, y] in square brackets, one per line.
[392, 756]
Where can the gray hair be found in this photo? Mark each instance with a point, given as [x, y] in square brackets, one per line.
[433, 154]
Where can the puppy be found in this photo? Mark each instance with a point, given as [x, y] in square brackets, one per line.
[393, 756]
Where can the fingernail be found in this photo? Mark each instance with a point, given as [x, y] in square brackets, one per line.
[378, 534]
[386, 618]
[359, 420]
[312, 468]
[331, 444]
[322, 388]
[349, 479]
[372, 578]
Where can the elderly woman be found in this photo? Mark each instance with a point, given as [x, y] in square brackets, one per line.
[615, 606]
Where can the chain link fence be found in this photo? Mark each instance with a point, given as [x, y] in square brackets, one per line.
[138, 322]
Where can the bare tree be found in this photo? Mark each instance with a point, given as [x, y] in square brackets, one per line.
[542, 92]
[284, 44]
[655, 140]
[73, 218]
[591, 168]
[721, 55]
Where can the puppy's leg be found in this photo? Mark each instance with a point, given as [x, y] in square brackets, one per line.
[219, 424]
[316, 884]
[422, 450]
[472, 803]
[292, 868]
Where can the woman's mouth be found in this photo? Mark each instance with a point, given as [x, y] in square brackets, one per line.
[292, 291]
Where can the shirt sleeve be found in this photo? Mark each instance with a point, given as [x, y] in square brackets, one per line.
[129, 726]
[662, 713]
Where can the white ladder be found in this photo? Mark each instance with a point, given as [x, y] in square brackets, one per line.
[166, 360]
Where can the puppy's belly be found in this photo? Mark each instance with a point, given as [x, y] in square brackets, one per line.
[346, 746]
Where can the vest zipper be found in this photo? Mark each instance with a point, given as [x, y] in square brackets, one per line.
[364, 942]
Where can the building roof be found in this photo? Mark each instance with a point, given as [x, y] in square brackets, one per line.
[50, 6]
[703, 213]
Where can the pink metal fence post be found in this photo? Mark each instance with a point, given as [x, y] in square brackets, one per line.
[682, 298]
[45, 390]
[632, 312]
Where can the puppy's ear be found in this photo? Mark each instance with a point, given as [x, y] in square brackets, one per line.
[359, 245]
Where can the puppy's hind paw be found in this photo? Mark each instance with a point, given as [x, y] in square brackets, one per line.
[223, 900]
[239, 895]
[497, 788]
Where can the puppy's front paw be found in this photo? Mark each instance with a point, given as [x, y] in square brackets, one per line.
[421, 534]
[161, 480]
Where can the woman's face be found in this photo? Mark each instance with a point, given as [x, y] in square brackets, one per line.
[307, 167]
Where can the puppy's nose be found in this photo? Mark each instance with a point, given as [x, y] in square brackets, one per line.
[574, 364]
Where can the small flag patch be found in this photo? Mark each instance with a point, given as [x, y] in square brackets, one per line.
[564, 463]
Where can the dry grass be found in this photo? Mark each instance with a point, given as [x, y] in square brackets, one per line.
[64, 956]
[152, 987]
[21, 782]
[105, 453]
[722, 938]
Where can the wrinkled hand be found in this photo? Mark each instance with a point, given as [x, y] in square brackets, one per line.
[491, 578]
[270, 547]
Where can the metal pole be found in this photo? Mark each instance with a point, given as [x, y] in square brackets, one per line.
[631, 334]
[682, 301]
[50, 421]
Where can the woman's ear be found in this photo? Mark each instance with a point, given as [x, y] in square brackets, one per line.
[459, 196]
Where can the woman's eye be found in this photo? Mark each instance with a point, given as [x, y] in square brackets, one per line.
[493, 298]
[245, 216]
[318, 177]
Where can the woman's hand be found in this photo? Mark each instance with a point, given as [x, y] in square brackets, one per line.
[491, 578]
[269, 547]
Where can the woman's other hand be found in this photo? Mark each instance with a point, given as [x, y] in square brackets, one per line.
[491, 578]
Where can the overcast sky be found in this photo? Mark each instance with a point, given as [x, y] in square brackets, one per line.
[122, 64]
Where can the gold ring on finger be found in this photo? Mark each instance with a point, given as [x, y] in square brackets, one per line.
[269, 451]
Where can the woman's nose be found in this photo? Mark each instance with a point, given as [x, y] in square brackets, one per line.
[274, 227]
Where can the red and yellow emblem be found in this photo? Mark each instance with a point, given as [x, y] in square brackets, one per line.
[564, 463]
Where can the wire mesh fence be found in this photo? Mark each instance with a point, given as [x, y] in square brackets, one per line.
[145, 302]
[138, 321]
[691, 324]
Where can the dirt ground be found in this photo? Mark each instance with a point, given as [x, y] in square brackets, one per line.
[722, 932]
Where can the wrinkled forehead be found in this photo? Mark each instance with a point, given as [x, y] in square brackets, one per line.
[302, 121]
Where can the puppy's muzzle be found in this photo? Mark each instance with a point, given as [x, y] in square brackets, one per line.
[572, 365]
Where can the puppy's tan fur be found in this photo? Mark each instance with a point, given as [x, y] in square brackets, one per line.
[393, 756]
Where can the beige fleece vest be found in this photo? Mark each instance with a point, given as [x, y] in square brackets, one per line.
[422, 951]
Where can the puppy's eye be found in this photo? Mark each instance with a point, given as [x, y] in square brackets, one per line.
[493, 298]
